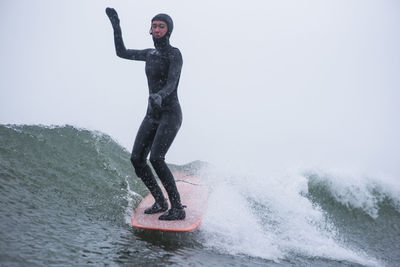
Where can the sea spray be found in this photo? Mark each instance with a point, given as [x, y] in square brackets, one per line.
[270, 217]
[357, 191]
[133, 198]
[363, 208]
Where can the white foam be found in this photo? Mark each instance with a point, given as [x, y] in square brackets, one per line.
[131, 196]
[231, 226]
[269, 217]
[357, 190]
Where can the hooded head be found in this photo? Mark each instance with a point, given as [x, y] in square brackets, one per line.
[167, 19]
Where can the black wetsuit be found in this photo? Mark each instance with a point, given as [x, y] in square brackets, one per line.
[161, 124]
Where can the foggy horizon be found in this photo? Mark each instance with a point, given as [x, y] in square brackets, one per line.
[269, 84]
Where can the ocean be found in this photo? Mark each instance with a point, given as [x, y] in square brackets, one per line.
[67, 195]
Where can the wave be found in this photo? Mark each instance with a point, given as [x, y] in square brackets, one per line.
[369, 195]
[63, 175]
[301, 214]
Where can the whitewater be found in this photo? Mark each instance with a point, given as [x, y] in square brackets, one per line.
[67, 195]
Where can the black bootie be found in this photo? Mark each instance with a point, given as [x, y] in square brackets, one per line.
[157, 207]
[173, 214]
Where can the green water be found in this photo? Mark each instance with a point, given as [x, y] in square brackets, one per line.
[67, 194]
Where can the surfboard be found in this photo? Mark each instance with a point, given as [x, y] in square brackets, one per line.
[193, 195]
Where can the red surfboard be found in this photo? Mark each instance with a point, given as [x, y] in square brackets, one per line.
[193, 195]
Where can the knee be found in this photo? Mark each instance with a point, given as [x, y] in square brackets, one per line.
[156, 160]
[137, 162]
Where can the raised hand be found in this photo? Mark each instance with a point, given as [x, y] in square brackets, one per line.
[113, 16]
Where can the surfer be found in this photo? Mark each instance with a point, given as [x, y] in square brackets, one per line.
[163, 117]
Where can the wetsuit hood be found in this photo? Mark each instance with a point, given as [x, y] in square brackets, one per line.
[163, 42]
[167, 19]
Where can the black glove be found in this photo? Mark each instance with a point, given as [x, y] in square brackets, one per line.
[113, 16]
[155, 101]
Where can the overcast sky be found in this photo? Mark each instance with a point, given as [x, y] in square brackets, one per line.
[263, 82]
